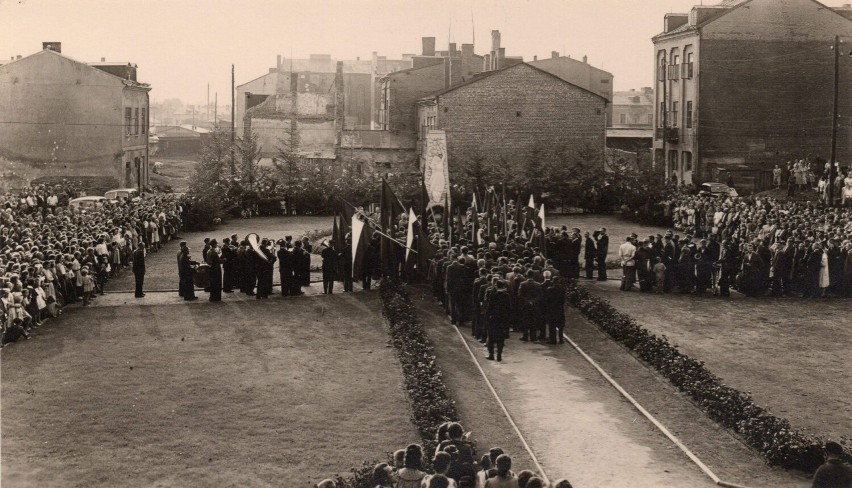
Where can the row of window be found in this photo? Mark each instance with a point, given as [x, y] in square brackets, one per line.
[430, 122]
[673, 116]
[135, 122]
[685, 160]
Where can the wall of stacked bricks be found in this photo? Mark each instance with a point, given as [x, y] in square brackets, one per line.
[406, 88]
[766, 84]
[511, 113]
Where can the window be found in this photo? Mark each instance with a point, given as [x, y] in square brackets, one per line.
[661, 116]
[128, 114]
[689, 115]
[622, 119]
[674, 113]
[136, 121]
[687, 161]
[144, 121]
[605, 82]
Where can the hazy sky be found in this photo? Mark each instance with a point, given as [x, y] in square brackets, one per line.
[181, 45]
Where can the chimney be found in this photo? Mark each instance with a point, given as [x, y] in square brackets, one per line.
[278, 63]
[339, 112]
[535, 57]
[53, 46]
[585, 59]
[103, 60]
[428, 46]
[486, 61]
[501, 56]
[495, 40]
[554, 54]
[452, 52]
[19, 57]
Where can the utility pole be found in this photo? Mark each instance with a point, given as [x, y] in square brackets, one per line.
[208, 103]
[233, 124]
[832, 170]
[216, 110]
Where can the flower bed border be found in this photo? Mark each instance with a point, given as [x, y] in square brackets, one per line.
[772, 436]
[431, 401]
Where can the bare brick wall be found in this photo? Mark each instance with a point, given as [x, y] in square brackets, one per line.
[406, 88]
[773, 107]
[512, 112]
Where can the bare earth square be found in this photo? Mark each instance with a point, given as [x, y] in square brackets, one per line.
[239, 393]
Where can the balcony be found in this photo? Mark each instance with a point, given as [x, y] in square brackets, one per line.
[672, 134]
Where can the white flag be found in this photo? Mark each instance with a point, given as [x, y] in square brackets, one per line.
[409, 240]
[531, 204]
[357, 230]
[541, 216]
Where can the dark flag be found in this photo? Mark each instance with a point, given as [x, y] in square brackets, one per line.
[447, 217]
[459, 224]
[390, 210]
[474, 218]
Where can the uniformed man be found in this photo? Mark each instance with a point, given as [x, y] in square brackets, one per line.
[497, 316]
[215, 263]
[139, 269]
[285, 268]
[329, 266]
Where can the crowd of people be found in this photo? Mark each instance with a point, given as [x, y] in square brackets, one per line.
[454, 464]
[53, 254]
[755, 245]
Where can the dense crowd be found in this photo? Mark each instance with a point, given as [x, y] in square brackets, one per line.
[53, 254]
[454, 464]
[756, 245]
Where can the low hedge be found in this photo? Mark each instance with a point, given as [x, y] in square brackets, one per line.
[431, 401]
[770, 435]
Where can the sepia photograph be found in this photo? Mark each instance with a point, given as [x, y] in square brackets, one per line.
[426, 244]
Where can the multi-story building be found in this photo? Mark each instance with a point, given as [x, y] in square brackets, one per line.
[747, 84]
[580, 73]
[65, 118]
[361, 79]
[632, 127]
[491, 118]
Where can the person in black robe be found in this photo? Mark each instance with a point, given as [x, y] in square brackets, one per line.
[703, 268]
[345, 257]
[285, 268]
[215, 263]
[229, 262]
[300, 256]
[497, 317]
[813, 266]
[186, 269]
[589, 254]
[602, 246]
[749, 281]
[329, 267]
[266, 268]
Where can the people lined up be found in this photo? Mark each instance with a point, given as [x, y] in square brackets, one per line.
[454, 464]
[52, 255]
[757, 245]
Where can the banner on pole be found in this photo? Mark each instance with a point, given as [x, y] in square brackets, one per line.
[435, 168]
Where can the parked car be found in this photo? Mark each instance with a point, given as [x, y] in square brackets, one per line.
[121, 194]
[86, 202]
[717, 190]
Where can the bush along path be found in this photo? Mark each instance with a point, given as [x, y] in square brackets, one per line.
[772, 436]
[431, 401]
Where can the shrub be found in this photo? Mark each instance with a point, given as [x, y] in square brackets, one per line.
[772, 436]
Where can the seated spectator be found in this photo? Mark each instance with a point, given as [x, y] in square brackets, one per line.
[14, 331]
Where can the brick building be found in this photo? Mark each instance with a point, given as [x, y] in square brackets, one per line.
[433, 71]
[580, 73]
[511, 113]
[747, 84]
[361, 80]
[64, 118]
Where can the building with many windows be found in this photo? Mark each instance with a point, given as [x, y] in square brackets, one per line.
[63, 118]
[747, 84]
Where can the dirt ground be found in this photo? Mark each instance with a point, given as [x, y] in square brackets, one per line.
[790, 353]
[279, 392]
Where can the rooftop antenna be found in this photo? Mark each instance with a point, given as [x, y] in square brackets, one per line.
[472, 28]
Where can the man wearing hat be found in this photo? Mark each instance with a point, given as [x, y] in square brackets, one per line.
[139, 269]
[834, 473]
[602, 246]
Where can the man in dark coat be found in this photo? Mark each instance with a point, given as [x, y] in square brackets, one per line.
[139, 269]
[346, 264]
[477, 318]
[229, 262]
[553, 307]
[285, 268]
[670, 257]
[301, 266]
[644, 262]
[329, 267]
[573, 243]
[834, 473]
[179, 254]
[266, 268]
[813, 265]
[454, 282]
[589, 254]
[602, 246]
[215, 271]
[186, 270]
[497, 316]
[782, 268]
[529, 307]
[703, 268]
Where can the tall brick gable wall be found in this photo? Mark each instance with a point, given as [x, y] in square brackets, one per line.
[406, 88]
[773, 109]
[510, 113]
